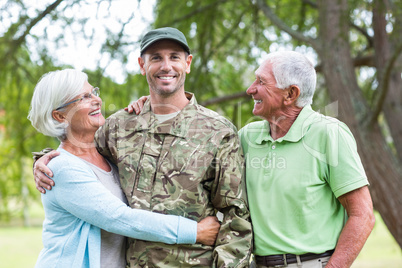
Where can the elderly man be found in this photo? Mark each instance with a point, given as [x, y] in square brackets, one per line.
[308, 195]
[177, 157]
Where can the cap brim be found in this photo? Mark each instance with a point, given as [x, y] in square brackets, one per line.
[153, 41]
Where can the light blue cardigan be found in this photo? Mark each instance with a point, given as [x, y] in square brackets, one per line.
[79, 205]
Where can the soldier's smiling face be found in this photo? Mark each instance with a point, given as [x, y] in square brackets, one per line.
[165, 65]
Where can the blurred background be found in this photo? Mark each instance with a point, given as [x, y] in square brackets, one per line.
[356, 46]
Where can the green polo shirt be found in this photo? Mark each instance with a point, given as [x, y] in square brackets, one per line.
[293, 183]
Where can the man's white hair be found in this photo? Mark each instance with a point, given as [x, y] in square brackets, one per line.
[293, 68]
[53, 90]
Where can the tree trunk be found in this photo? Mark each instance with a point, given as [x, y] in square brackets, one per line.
[385, 48]
[393, 111]
[381, 166]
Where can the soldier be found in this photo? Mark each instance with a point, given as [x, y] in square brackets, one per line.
[177, 157]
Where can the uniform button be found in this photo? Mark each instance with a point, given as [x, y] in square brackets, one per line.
[273, 147]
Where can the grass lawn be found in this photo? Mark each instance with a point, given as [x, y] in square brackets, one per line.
[20, 247]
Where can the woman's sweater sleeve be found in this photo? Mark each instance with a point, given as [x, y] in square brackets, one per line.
[78, 191]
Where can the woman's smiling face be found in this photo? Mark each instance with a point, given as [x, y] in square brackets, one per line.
[84, 116]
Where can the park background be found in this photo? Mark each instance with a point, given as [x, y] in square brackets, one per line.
[355, 46]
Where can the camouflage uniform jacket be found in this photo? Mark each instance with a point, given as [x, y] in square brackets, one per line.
[190, 165]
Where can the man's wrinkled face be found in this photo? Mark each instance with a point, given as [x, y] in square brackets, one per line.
[268, 99]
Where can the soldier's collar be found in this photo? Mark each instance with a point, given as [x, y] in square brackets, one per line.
[189, 96]
[177, 126]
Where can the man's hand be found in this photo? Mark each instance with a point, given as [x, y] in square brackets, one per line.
[207, 230]
[42, 181]
[136, 106]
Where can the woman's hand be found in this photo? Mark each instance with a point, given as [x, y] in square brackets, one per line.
[207, 230]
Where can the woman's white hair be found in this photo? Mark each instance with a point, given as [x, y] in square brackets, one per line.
[293, 68]
[53, 90]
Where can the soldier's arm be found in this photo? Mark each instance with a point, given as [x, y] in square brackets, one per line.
[234, 242]
[42, 174]
[105, 139]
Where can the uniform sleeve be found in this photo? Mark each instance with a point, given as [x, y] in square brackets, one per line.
[234, 242]
[105, 141]
[79, 192]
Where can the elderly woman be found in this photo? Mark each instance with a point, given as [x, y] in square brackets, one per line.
[86, 216]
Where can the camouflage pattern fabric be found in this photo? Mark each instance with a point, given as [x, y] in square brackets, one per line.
[190, 165]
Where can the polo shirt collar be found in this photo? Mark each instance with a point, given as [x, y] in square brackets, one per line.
[264, 133]
[296, 131]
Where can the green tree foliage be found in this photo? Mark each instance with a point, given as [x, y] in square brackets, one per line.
[17, 137]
